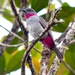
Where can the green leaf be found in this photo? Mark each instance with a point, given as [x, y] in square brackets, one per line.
[66, 11]
[52, 7]
[6, 14]
[70, 56]
[9, 18]
[37, 5]
[2, 38]
[34, 52]
[63, 26]
[59, 28]
[17, 2]
[67, 14]
[2, 64]
[51, 59]
[62, 70]
[15, 62]
[36, 64]
[1, 3]
[7, 57]
[14, 41]
[70, 73]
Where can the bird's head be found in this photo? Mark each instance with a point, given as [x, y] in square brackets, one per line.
[28, 12]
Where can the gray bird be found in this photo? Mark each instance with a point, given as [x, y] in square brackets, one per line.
[36, 25]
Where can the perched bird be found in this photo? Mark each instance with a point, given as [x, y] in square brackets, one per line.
[36, 25]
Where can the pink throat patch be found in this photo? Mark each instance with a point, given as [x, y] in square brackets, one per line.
[29, 15]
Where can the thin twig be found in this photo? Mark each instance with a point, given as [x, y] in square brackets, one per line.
[17, 45]
[36, 50]
[61, 38]
[59, 21]
[72, 42]
[69, 67]
[47, 14]
[24, 3]
[12, 33]
[7, 45]
[29, 60]
[55, 13]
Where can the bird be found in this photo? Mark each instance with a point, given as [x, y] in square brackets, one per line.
[36, 25]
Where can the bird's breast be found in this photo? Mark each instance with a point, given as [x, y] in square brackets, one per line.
[35, 29]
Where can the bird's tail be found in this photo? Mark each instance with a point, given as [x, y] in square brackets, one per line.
[60, 56]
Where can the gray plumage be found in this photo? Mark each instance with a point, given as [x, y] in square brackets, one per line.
[34, 26]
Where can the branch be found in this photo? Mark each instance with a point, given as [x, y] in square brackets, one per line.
[69, 35]
[46, 54]
[12, 33]
[24, 3]
[23, 29]
[54, 14]
[61, 38]
[48, 11]
[50, 24]
[29, 60]
[7, 45]
[72, 42]
[54, 66]
[17, 17]
[9, 37]
[58, 21]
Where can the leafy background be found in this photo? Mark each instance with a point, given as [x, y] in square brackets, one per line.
[11, 59]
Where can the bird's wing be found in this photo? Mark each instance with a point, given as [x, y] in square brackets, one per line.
[44, 25]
